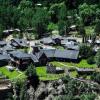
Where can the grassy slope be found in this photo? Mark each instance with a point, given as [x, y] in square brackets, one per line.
[11, 75]
[81, 64]
[43, 75]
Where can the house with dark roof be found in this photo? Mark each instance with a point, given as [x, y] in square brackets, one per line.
[71, 46]
[42, 58]
[19, 43]
[57, 39]
[2, 43]
[20, 59]
[62, 55]
[69, 55]
[53, 69]
[8, 48]
[47, 41]
[8, 32]
[82, 71]
[4, 59]
[49, 53]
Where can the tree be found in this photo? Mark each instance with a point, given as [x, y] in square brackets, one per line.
[26, 14]
[23, 92]
[96, 77]
[1, 31]
[32, 76]
[63, 23]
[97, 58]
[87, 13]
[97, 27]
[89, 96]
[82, 32]
[86, 51]
[40, 21]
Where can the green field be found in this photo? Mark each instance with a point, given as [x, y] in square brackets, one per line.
[43, 75]
[41, 72]
[81, 64]
[11, 74]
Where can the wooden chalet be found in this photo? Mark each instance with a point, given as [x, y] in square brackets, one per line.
[49, 53]
[19, 43]
[42, 58]
[20, 59]
[47, 41]
[57, 39]
[2, 43]
[61, 55]
[82, 71]
[4, 59]
[8, 48]
[8, 32]
[66, 55]
[54, 70]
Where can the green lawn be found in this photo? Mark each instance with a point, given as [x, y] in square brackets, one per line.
[41, 72]
[43, 75]
[81, 64]
[11, 74]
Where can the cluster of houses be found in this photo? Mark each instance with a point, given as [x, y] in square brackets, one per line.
[10, 53]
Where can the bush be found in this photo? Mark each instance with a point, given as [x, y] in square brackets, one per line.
[86, 51]
[91, 60]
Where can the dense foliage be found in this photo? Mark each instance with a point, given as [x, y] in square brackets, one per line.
[47, 15]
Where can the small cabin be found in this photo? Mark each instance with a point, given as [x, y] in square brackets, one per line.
[4, 59]
[2, 43]
[20, 59]
[54, 70]
[47, 41]
[42, 58]
[82, 71]
[19, 43]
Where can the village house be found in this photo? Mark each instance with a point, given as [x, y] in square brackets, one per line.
[20, 59]
[57, 39]
[8, 48]
[2, 43]
[66, 55]
[4, 59]
[42, 58]
[61, 55]
[47, 41]
[54, 70]
[87, 71]
[19, 43]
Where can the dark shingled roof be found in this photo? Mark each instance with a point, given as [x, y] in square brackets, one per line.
[47, 40]
[67, 54]
[21, 42]
[2, 43]
[49, 52]
[84, 69]
[71, 46]
[39, 54]
[7, 48]
[34, 58]
[20, 55]
[4, 57]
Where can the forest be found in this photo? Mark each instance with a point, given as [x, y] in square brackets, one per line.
[48, 15]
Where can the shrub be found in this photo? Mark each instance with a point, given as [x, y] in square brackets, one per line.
[86, 51]
[91, 60]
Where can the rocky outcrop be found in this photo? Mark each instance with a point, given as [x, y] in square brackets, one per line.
[47, 91]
